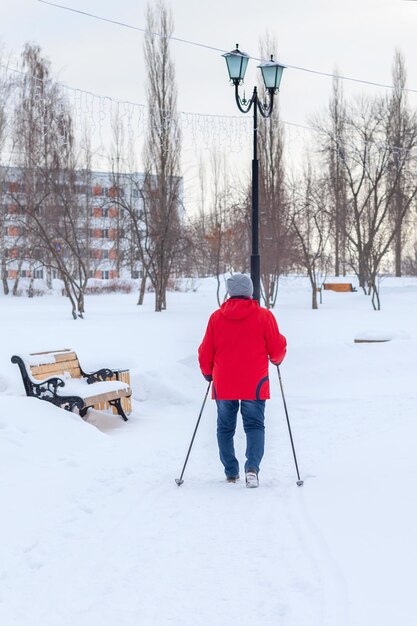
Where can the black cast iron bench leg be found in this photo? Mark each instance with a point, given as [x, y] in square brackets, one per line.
[119, 408]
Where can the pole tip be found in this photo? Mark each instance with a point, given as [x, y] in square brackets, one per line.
[179, 481]
[300, 483]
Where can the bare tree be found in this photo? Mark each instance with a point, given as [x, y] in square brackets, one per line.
[400, 125]
[221, 229]
[311, 224]
[45, 192]
[331, 135]
[337, 182]
[162, 185]
[366, 162]
[5, 91]
[275, 224]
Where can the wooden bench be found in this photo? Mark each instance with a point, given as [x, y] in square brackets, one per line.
[58, 377]
[340, 287]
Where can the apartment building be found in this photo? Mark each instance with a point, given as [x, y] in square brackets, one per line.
[102, 224]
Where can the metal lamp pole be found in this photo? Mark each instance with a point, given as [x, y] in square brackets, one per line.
[255, 259]
[237, 62]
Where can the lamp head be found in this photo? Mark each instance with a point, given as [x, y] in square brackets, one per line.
[272, 74]
[237, 62]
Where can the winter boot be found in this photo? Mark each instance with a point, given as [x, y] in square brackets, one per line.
[232, 479]
[252, 479]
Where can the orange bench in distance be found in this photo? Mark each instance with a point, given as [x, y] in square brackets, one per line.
[340, 287]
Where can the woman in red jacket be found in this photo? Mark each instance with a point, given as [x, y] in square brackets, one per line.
[240, 339]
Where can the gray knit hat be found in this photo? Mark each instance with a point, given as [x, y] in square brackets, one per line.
[239, 285]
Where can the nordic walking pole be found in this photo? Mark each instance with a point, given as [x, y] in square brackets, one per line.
[179, 480]
[300, 482]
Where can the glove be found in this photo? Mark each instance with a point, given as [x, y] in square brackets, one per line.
[208, 377]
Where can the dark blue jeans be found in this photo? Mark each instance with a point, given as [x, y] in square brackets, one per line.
[253, 415]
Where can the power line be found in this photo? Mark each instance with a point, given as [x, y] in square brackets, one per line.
[201, 45]
[125, 25]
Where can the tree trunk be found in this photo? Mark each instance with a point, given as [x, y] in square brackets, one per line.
[218, 288]
[266, 291]
[275, 292]
[362, 274]
[4, 277]
[164, 295]
[398, 248]
[376, 302]
[68, 294]
[80, 304]
[158, 295]
[17, 279]
[49, 278]
[30, 288]
[337, 226]
[142, 289]
[314, 304]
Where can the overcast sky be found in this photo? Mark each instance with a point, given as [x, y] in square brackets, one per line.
[357, 36]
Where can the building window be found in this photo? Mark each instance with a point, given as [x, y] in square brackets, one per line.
[13, 231]
[80, 188]
[38, 273]
[105, 233]
[105, 254]
[15, 253]
[105, 212]
[105, 274]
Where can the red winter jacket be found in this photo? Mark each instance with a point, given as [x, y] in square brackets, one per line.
[239, 339]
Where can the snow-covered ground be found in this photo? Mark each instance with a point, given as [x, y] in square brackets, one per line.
[94, 531]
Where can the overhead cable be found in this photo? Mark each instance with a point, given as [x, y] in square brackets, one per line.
[208, 47]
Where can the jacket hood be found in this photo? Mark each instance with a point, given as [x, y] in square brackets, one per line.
[238, 308]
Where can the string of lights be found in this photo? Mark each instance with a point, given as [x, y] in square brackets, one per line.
[205, 130]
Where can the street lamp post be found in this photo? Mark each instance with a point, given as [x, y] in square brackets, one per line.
[237, 62]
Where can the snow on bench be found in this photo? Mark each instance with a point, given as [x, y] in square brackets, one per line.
[57, 377]
[373, 336]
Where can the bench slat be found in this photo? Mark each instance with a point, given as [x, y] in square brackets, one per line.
[74, 372]
[54, 368]
[66, 356]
